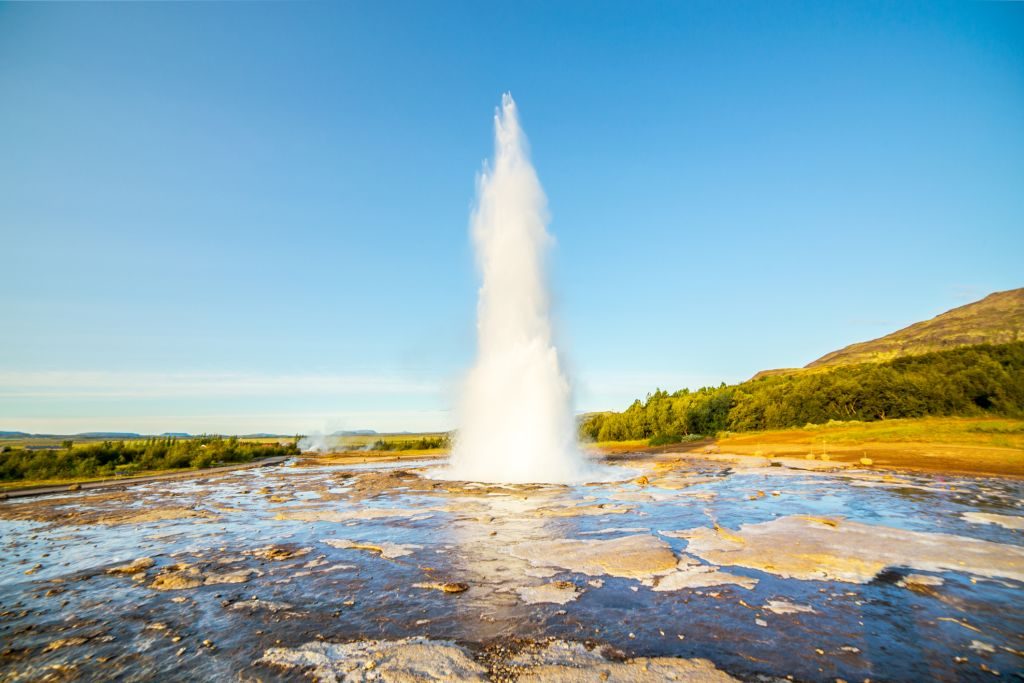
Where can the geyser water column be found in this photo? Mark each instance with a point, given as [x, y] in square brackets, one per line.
[516, 421]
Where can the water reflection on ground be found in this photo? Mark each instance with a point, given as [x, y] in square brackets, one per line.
[764, 569]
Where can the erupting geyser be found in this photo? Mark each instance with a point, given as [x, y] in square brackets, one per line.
[516, 407]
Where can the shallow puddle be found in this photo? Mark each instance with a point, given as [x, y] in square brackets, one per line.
[759, 570]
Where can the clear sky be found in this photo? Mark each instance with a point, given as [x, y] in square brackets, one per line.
[254, 216]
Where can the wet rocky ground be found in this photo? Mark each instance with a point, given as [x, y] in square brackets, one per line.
[709, 568]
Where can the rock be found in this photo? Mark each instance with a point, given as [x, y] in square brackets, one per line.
[633, 557]
[808, 548]
[692, 575]
[556, 592]
[386, 550]
[348, 515]
[184, 576]
[565, 662]
[409, 659]
[33, 569]
[139, 565]
[446, 587]
[178, 577]
[257, 604]
[277, 553]
[237, 576]
[581, 510]
[422, 661]
[541, 572]
[1005, 521]
[641, 481]
[786, 607]
[154, 515]
[920, 582]
[803, 464]
[64, 642]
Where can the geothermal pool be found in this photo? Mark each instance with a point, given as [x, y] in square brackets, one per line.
[706, 567]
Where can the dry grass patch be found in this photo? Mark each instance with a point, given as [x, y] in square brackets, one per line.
[968, 445]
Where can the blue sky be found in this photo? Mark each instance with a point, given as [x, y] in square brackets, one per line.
[254, 216]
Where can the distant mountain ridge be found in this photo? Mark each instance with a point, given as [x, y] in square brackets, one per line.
[996, 319]
[84, 435]
[110, 435]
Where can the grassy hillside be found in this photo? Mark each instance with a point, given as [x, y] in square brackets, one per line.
[968, 381]
[966, 362]
[996, 319]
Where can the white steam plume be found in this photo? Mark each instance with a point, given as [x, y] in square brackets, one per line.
[318, 442]
[516, 420]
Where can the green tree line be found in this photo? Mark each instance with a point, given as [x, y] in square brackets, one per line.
[425, 443]
[126, 457]
[966, 381]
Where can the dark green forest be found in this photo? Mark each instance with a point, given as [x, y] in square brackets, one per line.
[128, 457]
[966, 381]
